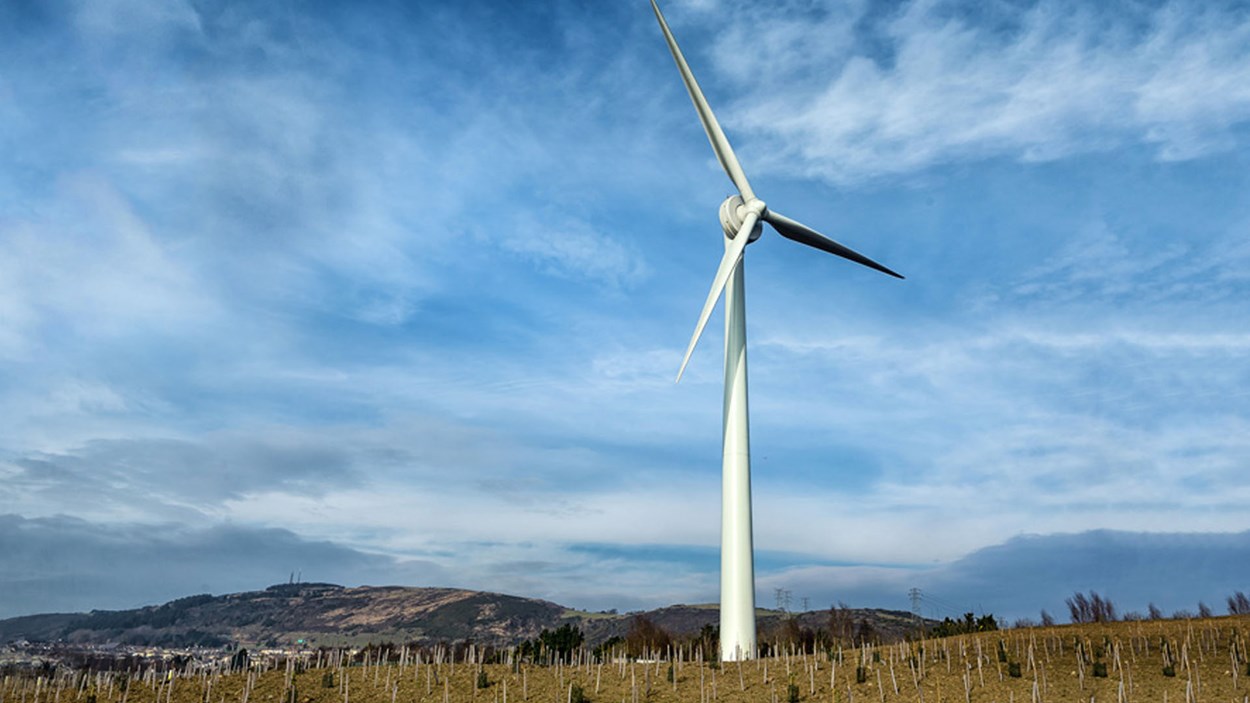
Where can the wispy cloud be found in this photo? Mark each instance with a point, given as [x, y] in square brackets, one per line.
[568, 246]
[849, 94]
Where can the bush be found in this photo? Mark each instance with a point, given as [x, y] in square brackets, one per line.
[327, 680]
[578, 695]
[1093, 608]
[645, 637]
[1013, 670]
[1238, 604]
[1002, 652]
[482, 680]
[605, 648]
[1169, 670]
[970, 623]
[861, 674]
[670, 674]
[1100, 670]
[792, 693]
[562, 641]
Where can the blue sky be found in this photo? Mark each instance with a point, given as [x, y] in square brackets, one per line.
[396, 292]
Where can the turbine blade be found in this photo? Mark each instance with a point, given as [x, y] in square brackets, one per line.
[720, 145]
[733, 253]
[803, 234]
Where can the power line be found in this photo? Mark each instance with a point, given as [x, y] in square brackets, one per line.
[914, 594]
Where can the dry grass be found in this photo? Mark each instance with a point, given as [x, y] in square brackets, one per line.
[1055, 664]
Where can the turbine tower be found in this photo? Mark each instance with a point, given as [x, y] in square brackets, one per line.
[741, 216]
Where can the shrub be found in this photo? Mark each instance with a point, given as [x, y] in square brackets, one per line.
[483, 681]
[1013, 670]
[861, 674]
[1093, 608]
[969, 623]
[645, 637]
[562, 641]
[578, 695]
[1238, 604]
[1100, 669]
[1002, 652]
[792, 693]
[327, 680]
[1169, 670]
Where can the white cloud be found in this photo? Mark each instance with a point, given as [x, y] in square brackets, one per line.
[570, 247]
[1099, 264]
[90, 261]
[955, 83]
[1043, 423]
[130, 19]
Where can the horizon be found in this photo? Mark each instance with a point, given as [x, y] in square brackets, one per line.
[1117, 615]
[398, 293]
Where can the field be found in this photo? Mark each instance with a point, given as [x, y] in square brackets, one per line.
[1119, 661]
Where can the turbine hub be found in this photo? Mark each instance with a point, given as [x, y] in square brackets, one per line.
[733, 213]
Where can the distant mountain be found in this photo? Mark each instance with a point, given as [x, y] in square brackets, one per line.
[327, 614]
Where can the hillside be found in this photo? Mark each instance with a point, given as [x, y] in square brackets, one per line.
[327, 614]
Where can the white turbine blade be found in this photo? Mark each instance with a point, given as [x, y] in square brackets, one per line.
[801, 233]
[720, 145]
[727, 263]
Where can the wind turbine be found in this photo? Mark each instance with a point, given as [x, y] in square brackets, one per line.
[741, 216]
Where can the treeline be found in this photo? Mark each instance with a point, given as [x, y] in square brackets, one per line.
[644, 639]
[156, 617]
[966, 626]
[1094, 608]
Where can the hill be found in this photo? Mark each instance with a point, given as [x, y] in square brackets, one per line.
[328, 614]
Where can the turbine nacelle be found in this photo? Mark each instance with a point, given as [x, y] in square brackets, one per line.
[734, 212]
